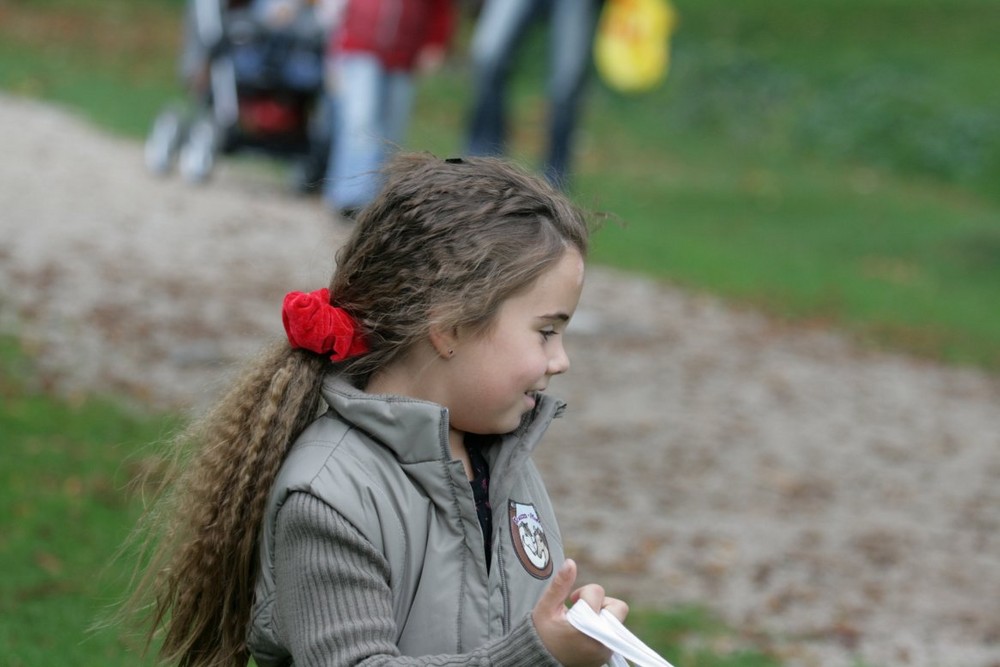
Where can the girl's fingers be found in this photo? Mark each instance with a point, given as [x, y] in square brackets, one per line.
[618, 608]
[554, 597]
[592, 593]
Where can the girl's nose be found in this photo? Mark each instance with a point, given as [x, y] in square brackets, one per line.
[559, 361]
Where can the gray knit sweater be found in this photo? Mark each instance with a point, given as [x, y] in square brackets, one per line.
[335, 605]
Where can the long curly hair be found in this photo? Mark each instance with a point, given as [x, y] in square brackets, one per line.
[446, 242]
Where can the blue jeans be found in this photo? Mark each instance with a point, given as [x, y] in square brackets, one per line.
[372, 111]
[498, 33]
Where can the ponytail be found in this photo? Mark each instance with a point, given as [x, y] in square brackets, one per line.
[201, 536]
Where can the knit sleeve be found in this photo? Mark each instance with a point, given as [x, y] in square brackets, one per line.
[334, 604]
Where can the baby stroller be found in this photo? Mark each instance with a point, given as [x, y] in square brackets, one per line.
[255, 68]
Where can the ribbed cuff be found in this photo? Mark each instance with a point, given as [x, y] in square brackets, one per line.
[523, 647]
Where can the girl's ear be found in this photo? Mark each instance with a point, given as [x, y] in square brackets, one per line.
[444, 340]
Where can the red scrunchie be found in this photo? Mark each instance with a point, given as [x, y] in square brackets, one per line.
[312, 323]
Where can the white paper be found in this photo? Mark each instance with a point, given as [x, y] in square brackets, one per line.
[608, 630]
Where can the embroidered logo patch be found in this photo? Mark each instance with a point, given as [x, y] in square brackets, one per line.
[530, 543]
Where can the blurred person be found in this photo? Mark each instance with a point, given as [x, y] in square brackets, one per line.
[374, 53]
[498, 33]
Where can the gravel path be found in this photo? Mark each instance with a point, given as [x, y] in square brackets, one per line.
[843, 503]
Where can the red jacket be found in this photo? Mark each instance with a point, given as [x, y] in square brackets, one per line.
[394, 30]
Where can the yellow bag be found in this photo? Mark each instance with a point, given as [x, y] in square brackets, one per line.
[632, 43]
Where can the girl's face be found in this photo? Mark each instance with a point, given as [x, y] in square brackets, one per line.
[493, 378]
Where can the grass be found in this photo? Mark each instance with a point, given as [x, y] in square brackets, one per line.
[114, 62]
[833, 163]
[64, 466]
[689, 636]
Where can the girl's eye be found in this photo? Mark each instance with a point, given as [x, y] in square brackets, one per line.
[548, 333]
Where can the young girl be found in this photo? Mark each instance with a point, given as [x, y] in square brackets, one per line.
[365, 494]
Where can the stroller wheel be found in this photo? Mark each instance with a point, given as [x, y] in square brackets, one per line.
[163, 142]
[197, 154]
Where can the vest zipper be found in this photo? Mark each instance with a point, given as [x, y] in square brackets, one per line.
[504, 591]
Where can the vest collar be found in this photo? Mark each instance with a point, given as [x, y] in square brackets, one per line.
[416, 430]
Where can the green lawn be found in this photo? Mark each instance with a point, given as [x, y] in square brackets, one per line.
[64, 469]
[831, 162]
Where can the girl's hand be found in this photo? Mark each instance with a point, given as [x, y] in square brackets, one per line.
[568, 645]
